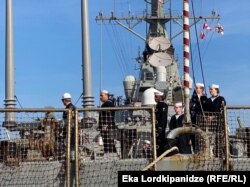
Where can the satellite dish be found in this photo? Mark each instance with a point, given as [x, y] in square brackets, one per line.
[159, 43]
[160, 59]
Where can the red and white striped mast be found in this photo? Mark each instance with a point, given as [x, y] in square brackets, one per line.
[186, 49]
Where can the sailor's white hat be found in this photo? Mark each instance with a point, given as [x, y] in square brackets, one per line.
[178, 104]
[214, 86]
[105, 91]
[146, 141]
[198, 84]
[158, 93]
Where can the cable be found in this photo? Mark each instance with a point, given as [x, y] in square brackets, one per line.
[18, 102]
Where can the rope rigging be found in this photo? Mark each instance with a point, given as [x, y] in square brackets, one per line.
[198, 45]
[206, 29]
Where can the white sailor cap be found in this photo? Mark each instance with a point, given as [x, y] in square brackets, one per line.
[158, 93]
[146, 141]
[178, 104]
[214, 86]
[198, 84]
[105, 92]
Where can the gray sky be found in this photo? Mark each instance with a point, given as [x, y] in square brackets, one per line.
[48, 57]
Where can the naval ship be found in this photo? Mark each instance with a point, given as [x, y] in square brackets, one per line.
[40, 149]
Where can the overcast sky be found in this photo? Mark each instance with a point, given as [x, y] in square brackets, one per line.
[48, 57]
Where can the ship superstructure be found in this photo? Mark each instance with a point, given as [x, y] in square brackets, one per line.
[158, 65]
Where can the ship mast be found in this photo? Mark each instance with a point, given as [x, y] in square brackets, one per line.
[158, 64]
[88, 99]
[9, 67]
[158, 67]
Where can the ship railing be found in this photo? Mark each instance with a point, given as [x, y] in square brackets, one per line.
[55, 152]
[225, 145]
[39, 142]
[238, 137]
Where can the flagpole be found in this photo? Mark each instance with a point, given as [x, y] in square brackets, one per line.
[186, 49]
